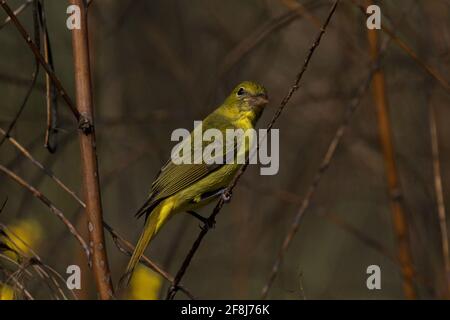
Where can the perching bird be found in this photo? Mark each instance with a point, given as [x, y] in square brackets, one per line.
[186, 187]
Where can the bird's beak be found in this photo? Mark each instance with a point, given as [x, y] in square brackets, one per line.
[260, 99]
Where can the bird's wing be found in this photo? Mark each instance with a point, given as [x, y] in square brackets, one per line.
[173, 178]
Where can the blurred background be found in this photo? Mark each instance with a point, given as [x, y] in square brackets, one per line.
[159, 65]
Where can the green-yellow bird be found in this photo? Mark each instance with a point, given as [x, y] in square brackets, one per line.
[186, 187]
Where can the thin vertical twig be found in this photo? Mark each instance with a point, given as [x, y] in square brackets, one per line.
[399, 217]
[89, 165]
[437, 177]
[51, 94]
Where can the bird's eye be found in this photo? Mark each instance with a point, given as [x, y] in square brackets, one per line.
[240, 92]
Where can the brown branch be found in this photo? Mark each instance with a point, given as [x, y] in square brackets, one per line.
[89, 165]
[211, 219]
[437, 175]
[49, 204]
[40, 58]
[400, 222]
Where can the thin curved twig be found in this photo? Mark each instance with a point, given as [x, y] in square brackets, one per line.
[52, 208]
[48, 172]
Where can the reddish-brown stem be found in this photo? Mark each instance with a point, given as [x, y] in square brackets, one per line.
[89, 166]
[399, 219]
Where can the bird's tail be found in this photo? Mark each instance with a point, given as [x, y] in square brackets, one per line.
[152, 225]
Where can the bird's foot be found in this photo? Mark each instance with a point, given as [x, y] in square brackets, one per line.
[210, 223]
[207, 222]
[226, 196]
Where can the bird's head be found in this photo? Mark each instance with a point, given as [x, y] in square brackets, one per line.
[248, 99]
[251, 94]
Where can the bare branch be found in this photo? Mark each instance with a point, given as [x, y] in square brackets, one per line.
[89, 164]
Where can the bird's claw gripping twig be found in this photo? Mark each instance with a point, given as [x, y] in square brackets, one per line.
[226, 196]
[207, 222]
[210, 223]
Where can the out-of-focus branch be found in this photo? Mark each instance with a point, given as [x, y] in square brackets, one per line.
[89, 165]
[323, 167]
[35, 49]
[265, 30]
[437, 175]
[211, 219]
[410, 52]
[35, 262]
[400, 222]
[49, 204]
[20, 81]
[33, 76]
[325, 163]
[302, 10]
[292, 198]
[18, 11]
[50, 92]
